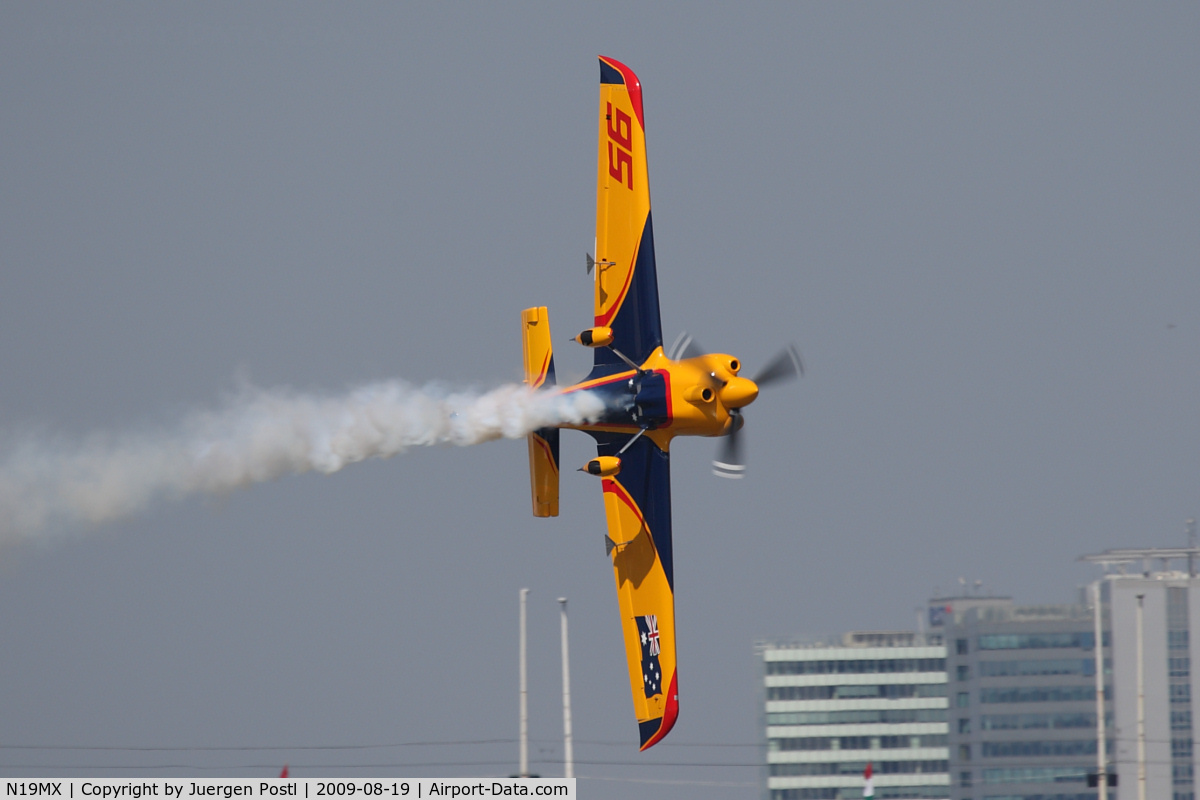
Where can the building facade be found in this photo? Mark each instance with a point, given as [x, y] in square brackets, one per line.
[1024, 704]
[1022, 696]
[1153, 595]
[832, 706]
[1002, 701]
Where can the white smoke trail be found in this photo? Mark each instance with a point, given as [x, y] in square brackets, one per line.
[258, 436]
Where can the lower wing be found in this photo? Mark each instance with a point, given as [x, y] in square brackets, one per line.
[637, 504]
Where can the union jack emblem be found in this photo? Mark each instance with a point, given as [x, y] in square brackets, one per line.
[651, 646]
[652, 633]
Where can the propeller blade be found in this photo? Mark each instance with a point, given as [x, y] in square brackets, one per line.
[729, 463]
[684, 347]
[783, 367]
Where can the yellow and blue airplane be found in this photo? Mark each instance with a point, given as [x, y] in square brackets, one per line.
[651, 397]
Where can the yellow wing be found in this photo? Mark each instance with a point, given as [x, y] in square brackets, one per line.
[637, 501]
[637, 504]
[626, 283]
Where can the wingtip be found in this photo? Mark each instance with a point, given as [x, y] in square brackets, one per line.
[627, 76]
[613, 71]
[610, 71]
[653, 734]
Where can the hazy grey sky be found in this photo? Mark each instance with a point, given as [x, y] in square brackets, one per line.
[979, 222]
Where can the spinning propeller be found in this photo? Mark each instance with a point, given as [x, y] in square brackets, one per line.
[737, 393]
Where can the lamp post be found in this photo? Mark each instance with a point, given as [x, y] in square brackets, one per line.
[568, 752]
[1101, 755]
[1141, 705]
[524, 767]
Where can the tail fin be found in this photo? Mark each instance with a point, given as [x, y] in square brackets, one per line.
[543, 443]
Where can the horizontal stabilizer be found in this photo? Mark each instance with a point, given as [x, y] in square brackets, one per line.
[543, 443]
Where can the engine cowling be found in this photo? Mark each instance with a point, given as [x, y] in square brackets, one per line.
[738, 392]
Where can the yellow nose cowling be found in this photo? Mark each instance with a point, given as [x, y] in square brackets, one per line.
[738, 392]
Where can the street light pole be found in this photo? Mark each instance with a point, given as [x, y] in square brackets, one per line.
[524, 768]
[1101, 755]
[568, 752]
[1141, 705]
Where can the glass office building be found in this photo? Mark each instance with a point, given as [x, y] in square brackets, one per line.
[999, 701]
[1023, 688]
[1022, 691]
[834, 705]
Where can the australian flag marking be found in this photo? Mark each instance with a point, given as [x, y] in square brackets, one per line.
[651, 670]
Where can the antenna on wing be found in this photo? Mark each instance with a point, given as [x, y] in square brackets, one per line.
[593, 263]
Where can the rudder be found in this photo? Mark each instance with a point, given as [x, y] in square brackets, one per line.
[543, 443]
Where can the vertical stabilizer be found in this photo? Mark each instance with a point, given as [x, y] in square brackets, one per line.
[543, 443]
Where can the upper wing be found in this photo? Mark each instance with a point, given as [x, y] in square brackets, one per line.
[637, 504]
[626, 283]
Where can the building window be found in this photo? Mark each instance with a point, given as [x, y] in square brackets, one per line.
[906, 741]
[1041, 666]
[802, 743]
[856, 716]
[1059, 747]
[1038, 694]
[964, 778]
[961, 646]
[1036, 774]
[1036, 641]
[964, 753]
[856, 666]
[791, 768]
[962, 700]
[964, 725]
[1020, 722]
[963, 672]
[856, 691]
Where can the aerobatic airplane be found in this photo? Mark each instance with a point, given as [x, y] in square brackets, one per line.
[651, 397]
